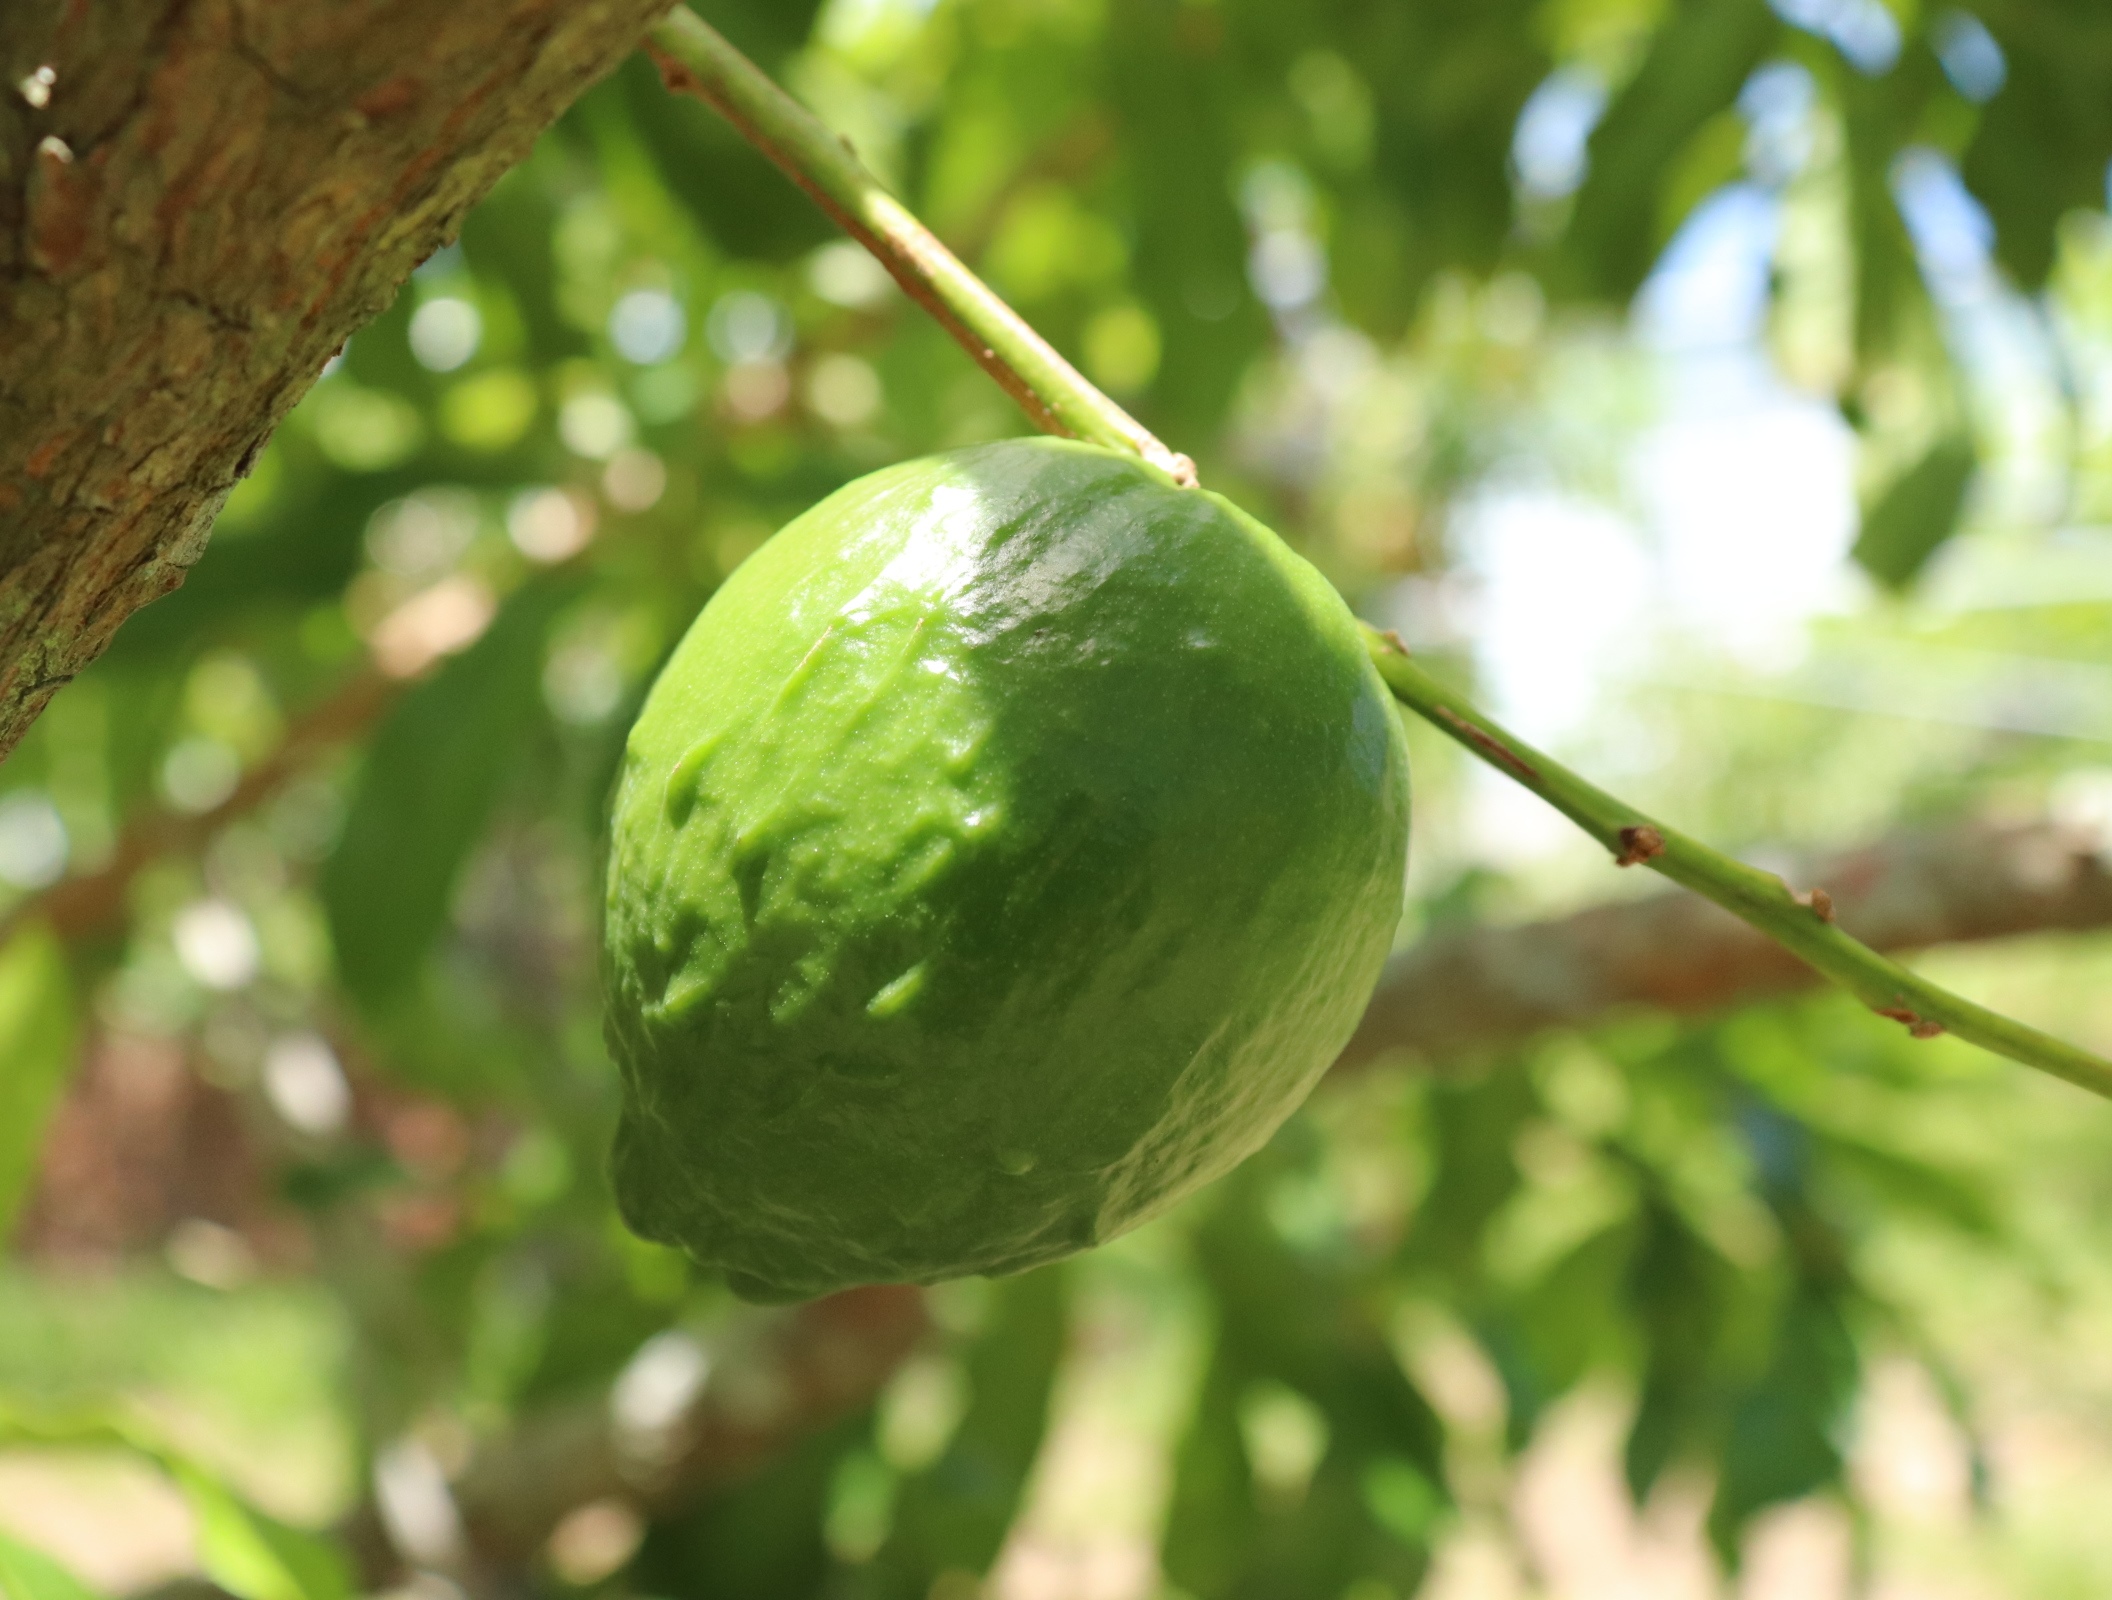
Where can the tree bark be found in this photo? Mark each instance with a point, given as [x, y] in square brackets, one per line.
[200, 200]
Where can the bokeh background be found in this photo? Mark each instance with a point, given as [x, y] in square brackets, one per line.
[1723, 390]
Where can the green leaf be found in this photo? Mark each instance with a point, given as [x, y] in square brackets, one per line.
[1300, 1320]
[762, 1539]
[36, 1052]
[26, 1574]
[1713, 157]
[1180, 109]
[1788, 1433]
[1210, 1526]
[1686, 1301]
[1909, 1185]
[1697, 63]
[251, 1555]
[1880, 117]
[1446, 84]
[1561, 1326]
[2046, 136]
[1475, 1126]
[245, 1552]
[431, 779]
[1402, 1498]
[1917, 512]
[953, 1517]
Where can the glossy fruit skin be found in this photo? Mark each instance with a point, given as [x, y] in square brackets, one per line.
[1004, 853]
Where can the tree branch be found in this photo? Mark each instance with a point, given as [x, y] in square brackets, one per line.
[80, 906]
[200, 200]
[781, 1376]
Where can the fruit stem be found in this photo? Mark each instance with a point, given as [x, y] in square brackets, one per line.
[1803, 925]
[694, 57]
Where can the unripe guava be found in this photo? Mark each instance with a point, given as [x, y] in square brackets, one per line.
[1006, 850]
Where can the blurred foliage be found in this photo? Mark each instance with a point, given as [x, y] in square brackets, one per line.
[31, 1576]
[36, 1042]
[244, 1552]
[1363, 260]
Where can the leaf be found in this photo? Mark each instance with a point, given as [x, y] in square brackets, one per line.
[27, 1574]
[1210, 1525]
[1300, 1321]
[1685, 1300]
[1179, 106]
[1880, 117]
[1697, 63]
[762, 1539]
[1370, 1511]
[1917, 512]
[953, 1517]
[36, 1052]
[1447, 83]
[1787, 1435]
[251, 1555]
[2046, 136]
[1475, 1126]
[1713, 157]
[245, 1552]
[1910, 1185]
[430, 782]
[1548, 1342]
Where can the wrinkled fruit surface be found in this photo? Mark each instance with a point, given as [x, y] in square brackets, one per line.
[1007, 849]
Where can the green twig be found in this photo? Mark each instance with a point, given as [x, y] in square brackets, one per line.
[1802, 924]
[693, 57]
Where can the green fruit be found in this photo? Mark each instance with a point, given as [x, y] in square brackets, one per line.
[1007, 849]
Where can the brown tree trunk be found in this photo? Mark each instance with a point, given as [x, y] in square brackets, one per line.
[200, 200]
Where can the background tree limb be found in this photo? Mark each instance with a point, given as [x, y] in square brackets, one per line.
[1479, 989]
[200, 200]
[787, 1373]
